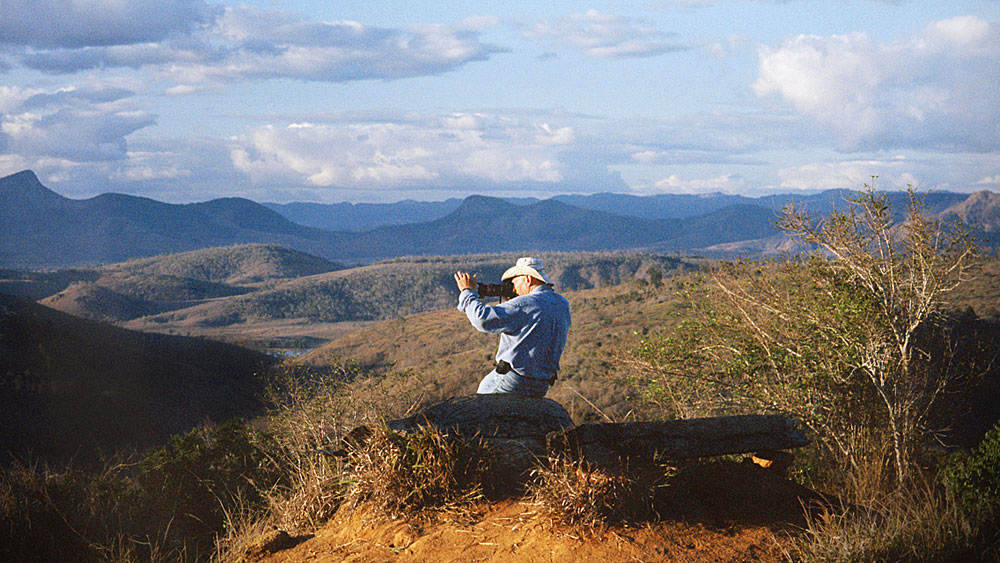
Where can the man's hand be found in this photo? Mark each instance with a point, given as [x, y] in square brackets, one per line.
[465, 280]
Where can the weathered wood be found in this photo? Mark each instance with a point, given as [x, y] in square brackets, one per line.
[625, 442]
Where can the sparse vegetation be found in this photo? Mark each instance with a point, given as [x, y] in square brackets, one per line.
[222, 491]
[913, 524]
[855, 341]
[574, 494]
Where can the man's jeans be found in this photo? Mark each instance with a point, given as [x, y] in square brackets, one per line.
[510, 382]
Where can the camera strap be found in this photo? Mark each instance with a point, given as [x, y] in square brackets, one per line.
[503, 367]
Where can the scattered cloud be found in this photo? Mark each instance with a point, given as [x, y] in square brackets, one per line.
[78, 124]
[57, 24]
[936, 88]
[183, 90]
[236, 44]
[728, 183]
[604, 36]
[451, 149]
[836, 175]
[831, 111]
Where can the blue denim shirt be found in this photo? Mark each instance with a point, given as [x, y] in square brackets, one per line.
[532, 328]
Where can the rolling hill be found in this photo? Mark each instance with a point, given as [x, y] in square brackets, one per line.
[142, 287]
[393, 288]
[363, 216]
[484, 224]
[44, 229]
[240, 264]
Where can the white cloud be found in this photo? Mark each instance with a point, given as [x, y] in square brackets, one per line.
[183, 90]
[554, 136]
[450, 150]
[12, 97]
[937, 88]
[77, 124]
[244, 43]
[728, 183]
[888, 173]
[604, 36]
[138, 171]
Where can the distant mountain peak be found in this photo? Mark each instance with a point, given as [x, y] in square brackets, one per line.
[22, 177]
[25, 188]
[479, 204]
[981, 209]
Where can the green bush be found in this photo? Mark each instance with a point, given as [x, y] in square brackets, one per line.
[974, 478]
[198, 477]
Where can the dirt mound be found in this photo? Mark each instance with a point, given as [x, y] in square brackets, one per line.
[710, 511]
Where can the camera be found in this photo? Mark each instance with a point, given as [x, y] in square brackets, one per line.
[503, 290]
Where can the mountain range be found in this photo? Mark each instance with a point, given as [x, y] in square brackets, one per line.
[41, 229]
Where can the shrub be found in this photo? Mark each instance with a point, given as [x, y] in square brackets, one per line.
[974, 478]
[74, 514]
[197, 477]
[852, 337]
[916, 523]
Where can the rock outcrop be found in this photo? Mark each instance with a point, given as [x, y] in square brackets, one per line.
[515, 428]
[521, 430]
[610, 444]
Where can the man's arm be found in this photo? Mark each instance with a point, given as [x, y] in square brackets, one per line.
[485, 318]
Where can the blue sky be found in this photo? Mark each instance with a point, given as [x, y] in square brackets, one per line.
[189, 100]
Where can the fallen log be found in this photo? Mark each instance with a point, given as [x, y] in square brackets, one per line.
[610, 444]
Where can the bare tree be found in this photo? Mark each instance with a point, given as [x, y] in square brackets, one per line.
[841, 338]
[905, 271]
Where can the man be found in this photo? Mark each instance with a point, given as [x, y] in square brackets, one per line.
[532, 327]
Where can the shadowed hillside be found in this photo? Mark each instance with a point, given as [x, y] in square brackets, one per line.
[69, 386]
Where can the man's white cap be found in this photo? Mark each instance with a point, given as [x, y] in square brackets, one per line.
[527, 266]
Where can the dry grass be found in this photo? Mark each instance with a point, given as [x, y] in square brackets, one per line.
[243, 529]
[916, 524]
[878, 521]
[397, 474]
[574, 494]
[47, 513]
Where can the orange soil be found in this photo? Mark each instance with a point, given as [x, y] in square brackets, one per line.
[711, 512]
